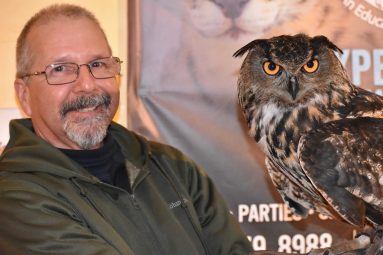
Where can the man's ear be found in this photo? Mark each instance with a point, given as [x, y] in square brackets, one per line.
[23, 96]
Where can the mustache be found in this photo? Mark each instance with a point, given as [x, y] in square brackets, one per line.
[85, 102]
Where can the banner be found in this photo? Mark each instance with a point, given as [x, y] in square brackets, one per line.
[182, 91]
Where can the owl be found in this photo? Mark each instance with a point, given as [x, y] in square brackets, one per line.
[321, 135]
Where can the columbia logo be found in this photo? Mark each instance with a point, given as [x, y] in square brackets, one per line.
[176, 203]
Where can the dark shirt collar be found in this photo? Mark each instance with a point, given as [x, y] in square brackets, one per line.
[100, 162]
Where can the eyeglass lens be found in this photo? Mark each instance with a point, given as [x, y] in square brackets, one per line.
[62, 73]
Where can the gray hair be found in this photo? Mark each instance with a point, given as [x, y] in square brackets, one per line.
[23, 52]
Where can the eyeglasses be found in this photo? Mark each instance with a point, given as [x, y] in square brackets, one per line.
[63, 73]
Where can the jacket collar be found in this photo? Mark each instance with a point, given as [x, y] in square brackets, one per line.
[27, 152]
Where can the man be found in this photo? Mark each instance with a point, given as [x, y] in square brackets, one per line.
[74, 182]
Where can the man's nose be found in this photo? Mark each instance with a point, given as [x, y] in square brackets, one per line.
[85, 80]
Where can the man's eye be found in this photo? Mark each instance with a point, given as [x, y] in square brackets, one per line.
[62, 69]
[97, 64]
[58, 69]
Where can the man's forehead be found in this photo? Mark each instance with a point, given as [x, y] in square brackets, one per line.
[63, 28]
[62, 20]
[68, 40]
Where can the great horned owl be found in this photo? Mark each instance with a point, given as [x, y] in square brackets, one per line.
[322, 136]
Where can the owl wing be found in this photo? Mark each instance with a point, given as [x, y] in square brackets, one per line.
[289, 192]
[344, 161]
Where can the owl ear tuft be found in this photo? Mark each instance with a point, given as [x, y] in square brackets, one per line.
[320, 40]
[259, 42]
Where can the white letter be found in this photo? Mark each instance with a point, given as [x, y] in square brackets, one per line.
[378, 67]
[258, 243]
[243, 210]
[343, 57]
[264, 213]
[274, 212]
[253, 214]
[361, 62]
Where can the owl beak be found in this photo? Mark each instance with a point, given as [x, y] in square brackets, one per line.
[293, 87]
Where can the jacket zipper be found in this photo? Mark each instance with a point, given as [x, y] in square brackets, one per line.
[84, 195]
[134, 201]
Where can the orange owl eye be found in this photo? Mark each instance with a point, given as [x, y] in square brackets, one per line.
[271, 68]
[311, 66]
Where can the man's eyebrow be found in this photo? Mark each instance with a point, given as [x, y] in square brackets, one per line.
[67, 59]
[98, 57]
[61, 59]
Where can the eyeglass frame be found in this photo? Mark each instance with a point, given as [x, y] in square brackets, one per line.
[77, 71]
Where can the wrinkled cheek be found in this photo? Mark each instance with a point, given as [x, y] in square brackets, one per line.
[113, 108]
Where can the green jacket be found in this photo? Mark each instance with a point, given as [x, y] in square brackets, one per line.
[51, 205]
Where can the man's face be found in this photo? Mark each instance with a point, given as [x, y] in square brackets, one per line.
[74, 115]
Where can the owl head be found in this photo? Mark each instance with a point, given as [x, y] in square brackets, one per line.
[289, 70]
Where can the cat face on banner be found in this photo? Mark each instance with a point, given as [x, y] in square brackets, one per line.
[218, 17]
[376, 3]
